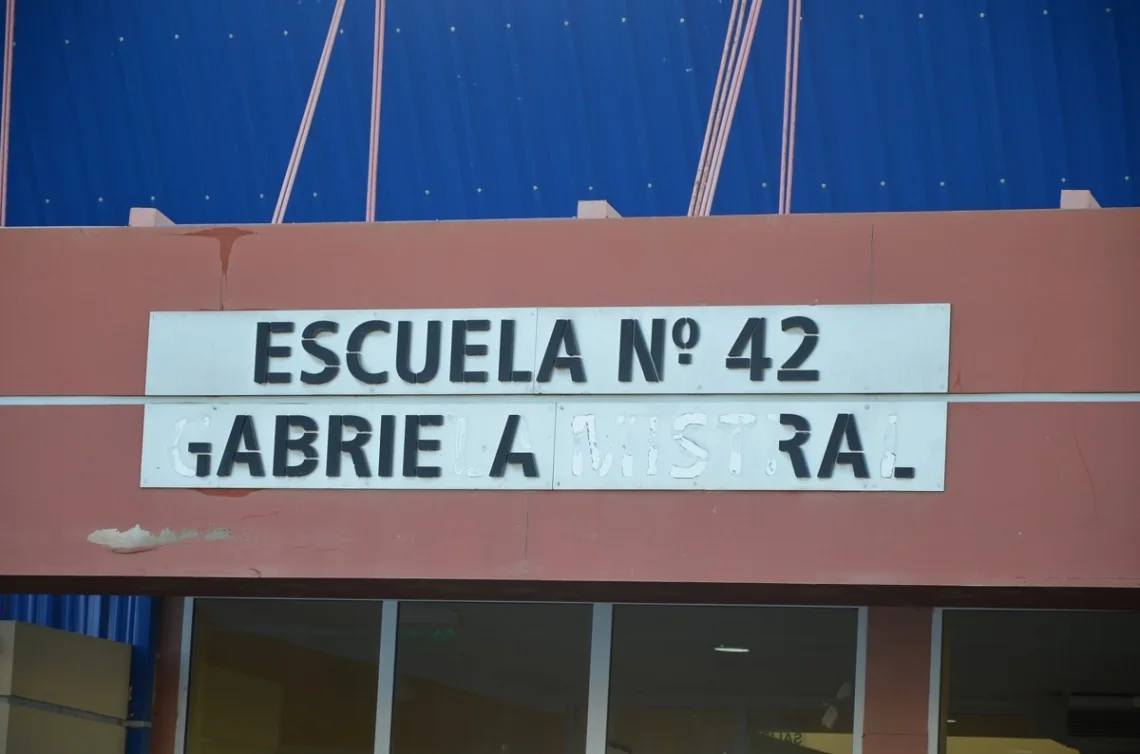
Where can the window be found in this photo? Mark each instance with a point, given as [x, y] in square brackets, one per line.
[1034, 682]
[302, 676]
[487, 677]
[745, 680]
[283, 676]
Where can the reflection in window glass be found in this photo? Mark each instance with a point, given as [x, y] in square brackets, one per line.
[1029, 682]
[491, 678]
[731, 680]
[283, 677]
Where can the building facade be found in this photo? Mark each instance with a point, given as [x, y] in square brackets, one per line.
[919, 536]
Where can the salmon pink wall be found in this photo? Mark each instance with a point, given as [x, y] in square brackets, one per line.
[1042, 446]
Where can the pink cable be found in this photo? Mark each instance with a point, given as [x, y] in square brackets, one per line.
[718, 124]
[792, 118]
[307, 117]
[714, 110]
[6, 113]
[787, 110]
[734, 97]
[374, 133]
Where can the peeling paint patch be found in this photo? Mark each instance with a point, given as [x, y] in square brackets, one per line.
[138, 539]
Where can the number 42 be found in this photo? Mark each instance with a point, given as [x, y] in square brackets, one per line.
[751, 339]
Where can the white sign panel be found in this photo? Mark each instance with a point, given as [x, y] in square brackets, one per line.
[733, 445]
[575, 443]
[873, 349]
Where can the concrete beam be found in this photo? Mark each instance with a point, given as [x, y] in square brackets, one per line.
[1078, 199]
[147, 217]
[598, 209]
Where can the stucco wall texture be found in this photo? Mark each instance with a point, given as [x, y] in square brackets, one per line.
[1042, 478]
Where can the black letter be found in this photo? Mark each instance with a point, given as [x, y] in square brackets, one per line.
[794, 445]
[263, 352]
[319, 352]
[460, 350]
[413, 444]
[387, 446]
[790, 371]
[562, 336]
[282, 444]
[652, 361]
[356, 344]
[507, 371]
[756, 362]
[404, 353]
[242, 432]
[201, 453]
[503, 455]
[844, 429]
[354, 446]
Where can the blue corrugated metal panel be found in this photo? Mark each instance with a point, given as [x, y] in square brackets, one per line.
[512, 108]
[131, 620]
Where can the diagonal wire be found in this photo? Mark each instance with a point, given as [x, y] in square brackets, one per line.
[307, 117]
[374, 131]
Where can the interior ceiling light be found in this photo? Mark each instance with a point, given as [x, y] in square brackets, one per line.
[732, 650]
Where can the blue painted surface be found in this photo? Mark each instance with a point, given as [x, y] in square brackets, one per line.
[529, 106]
[131, 620]
[518, 108]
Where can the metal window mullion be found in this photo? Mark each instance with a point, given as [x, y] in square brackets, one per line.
[934, 723]
[183, 700]
[598, 700]
[860, 680]
[386, 678]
